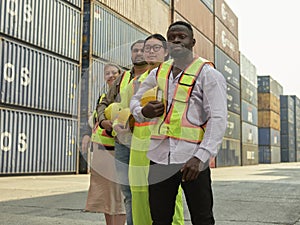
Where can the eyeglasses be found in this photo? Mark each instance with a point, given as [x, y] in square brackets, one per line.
[156, 48]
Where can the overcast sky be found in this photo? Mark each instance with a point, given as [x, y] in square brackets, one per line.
[269, 36]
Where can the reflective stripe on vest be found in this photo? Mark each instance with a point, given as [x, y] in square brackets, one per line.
[126, 77]
[100, 137]
[174, 123]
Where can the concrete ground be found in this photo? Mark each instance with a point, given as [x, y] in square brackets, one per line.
[249, 195]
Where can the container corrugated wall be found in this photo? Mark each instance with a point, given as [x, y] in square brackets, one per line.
[198, 15]
[233, 126]
[249, 154]
[229, 153]
[209, 4]
[227, 67]
[111, 36]
[249, 113]
[297, 126]
[52, 25]
[287, 132]
[36, 143]
[233, 99]
[268, 101]
[226, 16]
[35, 79]
[249, 134]
[269, 119]
[268, 136]
[226, 41]
[248, 70]
[269, 154]
[93, 84]
[248, 92]
[266, 84]
[153, 16]
[77, 3]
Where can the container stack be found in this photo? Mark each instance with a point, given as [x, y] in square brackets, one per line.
[227, 62]
[40, 68]
[297, 127]
[249, 112]
[287, 129]
[269, 91]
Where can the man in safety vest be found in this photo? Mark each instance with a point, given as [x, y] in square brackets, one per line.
[122, 150]
[155, 52]
[187, 125]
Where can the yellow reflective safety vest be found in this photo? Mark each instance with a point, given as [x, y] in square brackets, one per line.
[174, 123]
[99, 135]
[139, 169]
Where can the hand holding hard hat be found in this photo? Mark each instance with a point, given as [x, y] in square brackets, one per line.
[151, 103]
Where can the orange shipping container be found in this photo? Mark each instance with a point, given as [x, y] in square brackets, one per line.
[227, 16]
[225, 40]
[198, 15]
[267, 118]
[203, 46]
[268, 101]
[152, 16]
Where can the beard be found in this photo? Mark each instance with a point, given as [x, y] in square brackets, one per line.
[140, 63]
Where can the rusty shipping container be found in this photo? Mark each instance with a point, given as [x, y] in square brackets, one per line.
[52, 25]
[248, 92]
[35, 79]
[248, 70]
[269, 119]
[269, 154]
[36, 143]
[225, 40]
[227, 16]
[266, 84]
[249, 134]
[227, 67]
[203, 46]
[268, 101]
[229, 153]
[196, 13]
[153, 16]
[108, 36]
[249, 154]
[249, 113]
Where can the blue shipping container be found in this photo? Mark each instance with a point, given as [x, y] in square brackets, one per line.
[268, 136]
[249, 113]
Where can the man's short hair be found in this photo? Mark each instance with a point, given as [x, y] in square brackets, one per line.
[183, 23]
[136, 42]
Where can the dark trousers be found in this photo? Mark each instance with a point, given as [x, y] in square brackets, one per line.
[164, 181]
